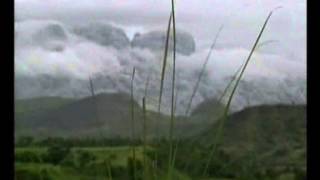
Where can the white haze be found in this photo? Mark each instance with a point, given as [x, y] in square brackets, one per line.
[277, 72]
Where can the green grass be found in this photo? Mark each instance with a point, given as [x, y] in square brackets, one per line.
[122, 153]
[102, 153]
[117, 156]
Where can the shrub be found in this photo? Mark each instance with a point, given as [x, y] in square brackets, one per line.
[25, 174]
[56, 153]
[27, 156]
[135, 166]
[69, 160]
[30, 174]
[85, 157]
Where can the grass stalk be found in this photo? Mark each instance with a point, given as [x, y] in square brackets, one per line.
[226, 111]
[233, 78]
[202, 71]
[162, 81]
[174, 111]
[163, 71]
[195, 89]
[144, 113]
[109, 170]
[172, 95]
[238, 71]
[133, 126]
[95, 104]
[228, 87]
[144, 134]
[219, 101]
[175, 153]
[146, 87]
[91, 88]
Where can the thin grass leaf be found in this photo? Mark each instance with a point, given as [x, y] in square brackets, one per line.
[144, 134]
[176, 96]
[220, 130]
[163, 71]
[109, 170]
[162, 82]
[146, 87]
[96, 115]
[144, 112]
[91, 87]
[133, 125]
[172, 94]
[187, 164]
[201, 74]
[202, 71]
[176, 145]
[175, 153]
[234, 77]
[239, 69]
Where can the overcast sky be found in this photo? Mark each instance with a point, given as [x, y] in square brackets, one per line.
[242, 19]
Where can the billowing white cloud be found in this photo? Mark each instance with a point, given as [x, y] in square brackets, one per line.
[242, 19]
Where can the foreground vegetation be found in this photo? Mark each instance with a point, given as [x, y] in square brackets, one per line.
[60, 162]
[248, 151]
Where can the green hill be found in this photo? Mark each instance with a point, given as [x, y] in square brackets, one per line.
[40, 103]
[268, 140]
[102, 115]
[208, 111]
[263, 128]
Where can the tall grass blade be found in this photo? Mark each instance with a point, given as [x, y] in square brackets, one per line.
[238, 71]
[187, 165]
[91, 88]
[176, 100]
[109, 170]
[144, 113]
[96, 115]
[146, 87]
[174, 111]
[163, 71]
[202, 71]
[234, 77]
[175, 153]
[220, 128]
[172, 95]
[133, 125]
[162, 82]
[144, 134]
